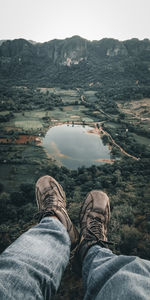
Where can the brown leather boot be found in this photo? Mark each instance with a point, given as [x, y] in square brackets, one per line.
[94, 218]
[51, 201]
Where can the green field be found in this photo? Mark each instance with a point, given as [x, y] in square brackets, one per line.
[22, 163]
[26, 159]
[142, 140]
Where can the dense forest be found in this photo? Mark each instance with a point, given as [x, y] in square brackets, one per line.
[76, 62]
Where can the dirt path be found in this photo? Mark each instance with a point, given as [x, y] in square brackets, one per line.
[121, 149]
[95, 130]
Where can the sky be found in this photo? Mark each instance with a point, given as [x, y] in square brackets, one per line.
[45, 20]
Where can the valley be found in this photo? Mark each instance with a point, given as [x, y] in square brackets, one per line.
[22, 135]
[99, 106]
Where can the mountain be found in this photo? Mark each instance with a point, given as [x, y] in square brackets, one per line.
[76, 62]
[2, 41]
[32, 42]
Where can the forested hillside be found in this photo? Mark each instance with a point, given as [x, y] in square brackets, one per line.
[73, 62]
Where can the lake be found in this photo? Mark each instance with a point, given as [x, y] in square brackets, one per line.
[74, 146]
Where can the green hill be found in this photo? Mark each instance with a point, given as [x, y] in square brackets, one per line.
[76, 62]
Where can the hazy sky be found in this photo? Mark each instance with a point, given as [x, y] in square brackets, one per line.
[44, 20]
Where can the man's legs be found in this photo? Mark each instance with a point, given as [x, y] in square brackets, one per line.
[107, 276]
[31, 268]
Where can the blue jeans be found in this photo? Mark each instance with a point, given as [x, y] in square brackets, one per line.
[32, 267]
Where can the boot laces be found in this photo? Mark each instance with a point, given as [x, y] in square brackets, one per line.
[48, 201]
[49, 198]
[97, 229]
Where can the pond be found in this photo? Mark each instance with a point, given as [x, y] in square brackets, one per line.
[74, 146]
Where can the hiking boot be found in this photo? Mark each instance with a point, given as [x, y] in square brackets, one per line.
[94, 218]
[51, 201]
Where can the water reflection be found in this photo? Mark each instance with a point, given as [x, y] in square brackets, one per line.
[74, 146]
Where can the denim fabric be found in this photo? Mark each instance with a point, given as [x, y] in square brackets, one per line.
[107, 276]
[32, 267]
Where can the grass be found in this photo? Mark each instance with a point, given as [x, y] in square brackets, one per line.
[26, 125]
[60, 92]
[70, 113]
[141, 139]
[90, 96]
[112, 125]
[139, 109]
[5, 112]
[137, 112]
[21, 164]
